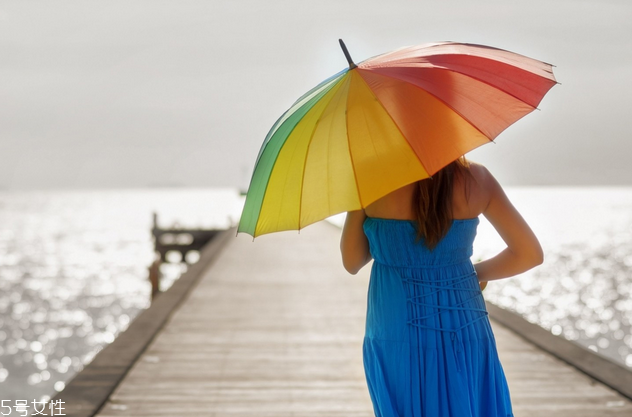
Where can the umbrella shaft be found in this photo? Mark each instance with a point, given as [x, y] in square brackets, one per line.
[352, 65]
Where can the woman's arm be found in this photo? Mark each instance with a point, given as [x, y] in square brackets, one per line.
[523, 250]
[354, 245]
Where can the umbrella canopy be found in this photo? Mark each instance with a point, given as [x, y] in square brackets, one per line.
[384, 123]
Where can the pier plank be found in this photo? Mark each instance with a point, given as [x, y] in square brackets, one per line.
[274, 328]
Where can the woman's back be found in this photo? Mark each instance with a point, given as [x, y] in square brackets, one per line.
[470, 197]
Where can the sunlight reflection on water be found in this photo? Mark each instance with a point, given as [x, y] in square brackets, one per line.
[73, 273]
[582, 290]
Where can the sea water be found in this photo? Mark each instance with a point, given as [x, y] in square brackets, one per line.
[583, 290]
[73, 270]
[73, 274]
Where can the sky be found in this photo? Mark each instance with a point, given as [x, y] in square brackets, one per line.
[153, 93]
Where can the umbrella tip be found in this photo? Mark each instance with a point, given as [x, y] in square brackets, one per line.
[352, 65]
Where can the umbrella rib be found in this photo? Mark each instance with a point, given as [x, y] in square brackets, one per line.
[311, 137]
[305, 98]
[395, 124]
[322, 93]
[448, 105]
[495, 87]
[444, 68]
[492, 48]
[533, 66]
[355, 174]
[309, 144]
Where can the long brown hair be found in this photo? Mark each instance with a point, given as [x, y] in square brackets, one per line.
[433, 201]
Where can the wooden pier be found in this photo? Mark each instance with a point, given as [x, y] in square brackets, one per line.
[274, 328]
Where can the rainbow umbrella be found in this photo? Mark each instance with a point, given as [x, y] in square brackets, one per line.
[389, 121]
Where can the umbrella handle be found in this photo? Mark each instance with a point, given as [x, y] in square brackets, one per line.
[352, 65]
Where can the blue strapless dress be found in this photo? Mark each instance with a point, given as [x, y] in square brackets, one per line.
[429, 350]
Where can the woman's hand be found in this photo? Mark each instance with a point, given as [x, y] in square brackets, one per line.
[354, 244]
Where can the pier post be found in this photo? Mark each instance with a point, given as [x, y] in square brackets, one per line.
[154, 278]
[154, 268]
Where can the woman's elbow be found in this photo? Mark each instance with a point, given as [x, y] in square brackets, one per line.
[351, 267]
[536, 256]
[351, 270]
[540, 258]
[354, 263]
[529, 258]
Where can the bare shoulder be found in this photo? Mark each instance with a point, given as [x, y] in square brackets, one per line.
[496, 208]
[481, 174]
[485, 184]
[472, 192]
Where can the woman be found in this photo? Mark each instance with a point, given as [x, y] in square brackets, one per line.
[429, 349]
